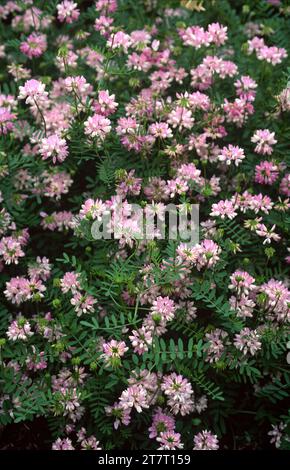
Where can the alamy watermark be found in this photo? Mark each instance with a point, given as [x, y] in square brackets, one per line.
[154, 221]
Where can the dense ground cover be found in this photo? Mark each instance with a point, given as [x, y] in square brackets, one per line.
[131, 342]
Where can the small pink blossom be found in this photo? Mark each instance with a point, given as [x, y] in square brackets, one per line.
[53, 147]
[34, 45]
[67, 11]
[97, 126]
[264, 140]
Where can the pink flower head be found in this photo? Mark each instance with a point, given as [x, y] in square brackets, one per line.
[119, 40]
[179, 393]
[103, 24]
[217, 33]
[34, 46]
[232, 154]
[106, 6]
[169, 440]
[242, 281]
[83, 303]
[208, 254]
[141, 339]
[266, 173]
[248, 341]
[134, 396]
[114, 349]
[105, 104]
[93, 209]
[163, 307]
[32, 91]
[160, 130]
[19, 330]
[53, 147]
[162, 422]
[70, 282]
[181, 118]
[205, 440]
[63, 444]
[97, 126]
[223, 209]
[273, 55]
[285, 185]
[6, 120]
[121, 415]
[264, 140]
[67, 11]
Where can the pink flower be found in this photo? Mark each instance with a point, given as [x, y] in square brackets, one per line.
[32, 91]
[163, 307]
[92, 209]
[127, 126]
[273, 55]
[266, 173]
[78, 85]
[6, 121]
[217, 33]
[17, 290]
[188, 171]
[67, 11]
[162, 422]
[238, 111]
[134, 396]
[70, 282]
[119, 40]
[34, 46]
[264, 140]
[268, 234]
[128, 184]
[195, 36]
[187, 253]
[103, 24]
[140, 38]
[160, 130]
[141, 339]
[232, 154]
[223, 209]
[114, 349]
[41, 269]
[63, 444]
[276, 432]
[248, 341]
[105, 104]
[97, 126]
[121, 415]
[278, 298]
[285, 185]
[169, 440]
[243, 306]
[241, 281]
[109, 6]
[245, 87]
[83, 303]
[53, 147]
[181, 117]
[214, 347]
[179, 393]
[208, 254]
[177, 186]
[90, 443]
[205, 440]
[19, 330]
[199, 100]
[11, 250]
